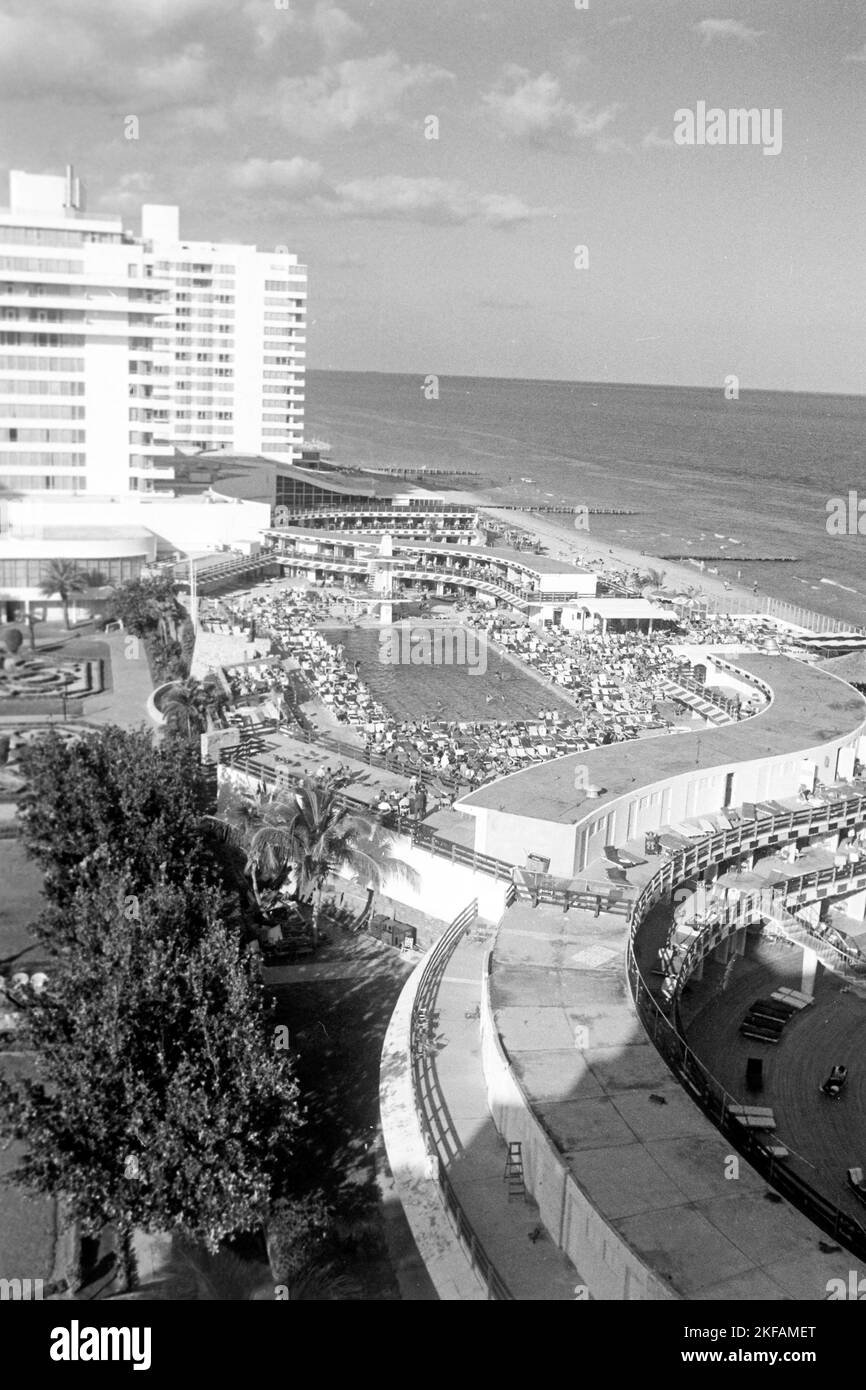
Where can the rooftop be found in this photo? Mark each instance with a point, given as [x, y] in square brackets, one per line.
[810, 707]
[352, 484]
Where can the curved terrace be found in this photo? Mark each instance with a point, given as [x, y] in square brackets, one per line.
[631, 1177]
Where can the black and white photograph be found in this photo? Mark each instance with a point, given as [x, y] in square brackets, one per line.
[432, 667]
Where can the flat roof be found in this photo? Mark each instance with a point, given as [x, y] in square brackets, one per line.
[654, 1172]
[810, 707]
[353, 484]
[541, 564]
[625, 608]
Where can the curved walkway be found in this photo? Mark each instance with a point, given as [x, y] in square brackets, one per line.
[509, 1232]
[638, 1151]
[632, 1179]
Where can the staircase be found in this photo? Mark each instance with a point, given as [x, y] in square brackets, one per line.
[841, 962]
[705, 708]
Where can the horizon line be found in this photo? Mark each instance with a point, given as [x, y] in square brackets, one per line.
[570, 381]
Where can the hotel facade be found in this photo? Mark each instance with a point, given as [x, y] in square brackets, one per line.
[116, 349]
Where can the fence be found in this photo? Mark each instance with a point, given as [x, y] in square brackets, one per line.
[758, 906]
[709, 1093]
[430, 1103]
[777, 608]
[592, 893]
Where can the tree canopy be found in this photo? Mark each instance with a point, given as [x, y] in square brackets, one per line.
[114, 797]
[148, 606]
[159, 1101]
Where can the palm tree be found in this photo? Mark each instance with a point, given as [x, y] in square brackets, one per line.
[62, 577]
[309, 832]
[652, 579]
[186, 707]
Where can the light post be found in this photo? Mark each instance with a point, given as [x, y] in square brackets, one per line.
[193, 595]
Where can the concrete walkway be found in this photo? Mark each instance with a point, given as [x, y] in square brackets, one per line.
[131, 686]
[511, 1233]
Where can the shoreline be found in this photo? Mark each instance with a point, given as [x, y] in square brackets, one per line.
[589, 550]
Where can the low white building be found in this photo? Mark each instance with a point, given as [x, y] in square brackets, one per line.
[116, 537]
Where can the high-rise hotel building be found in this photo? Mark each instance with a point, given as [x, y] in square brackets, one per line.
[116, 349]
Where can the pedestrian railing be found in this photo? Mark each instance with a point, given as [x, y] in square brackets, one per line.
[724, 920]
[441, 1141]
[717, 1102]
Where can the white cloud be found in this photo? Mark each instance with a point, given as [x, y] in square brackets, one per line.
[296, 175]
[76, 58]
[442, 201]
[389, 197]
[533, 108]
[711, 29]
[353, 93]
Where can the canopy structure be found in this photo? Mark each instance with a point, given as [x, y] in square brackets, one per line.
[633, 610]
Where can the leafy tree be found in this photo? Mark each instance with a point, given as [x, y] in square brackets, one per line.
[149, 606]
[63, 578]
[113, 797]
[158, 1101]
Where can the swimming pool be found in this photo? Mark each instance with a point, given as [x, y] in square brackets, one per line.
[437, 691]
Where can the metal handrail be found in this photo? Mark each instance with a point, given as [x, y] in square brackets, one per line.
[430, 1103]
[706, 1089]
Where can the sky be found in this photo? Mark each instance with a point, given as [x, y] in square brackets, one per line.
[309, 124]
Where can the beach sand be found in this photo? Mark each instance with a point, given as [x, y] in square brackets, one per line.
[562, 541]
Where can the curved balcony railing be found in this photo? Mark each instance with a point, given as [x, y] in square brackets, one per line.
[726, 919]
[440, 1140]
[718, 1103]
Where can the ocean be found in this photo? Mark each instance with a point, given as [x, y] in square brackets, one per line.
[703, 475]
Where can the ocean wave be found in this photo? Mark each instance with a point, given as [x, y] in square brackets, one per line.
[837, 585]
